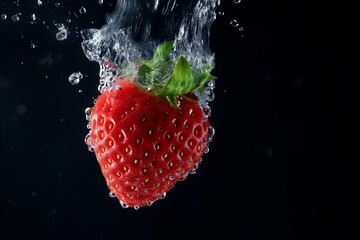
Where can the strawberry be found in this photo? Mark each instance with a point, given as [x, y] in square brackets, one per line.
[146, 134]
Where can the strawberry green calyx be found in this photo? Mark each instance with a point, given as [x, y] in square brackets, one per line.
[154, 74]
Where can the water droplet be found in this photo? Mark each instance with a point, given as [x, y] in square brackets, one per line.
[32, 45]
[3, 16]
[234, 23]
[163, 195]
[63, 33]
[88, 113]
[57, 4]
[39, 2]
[82, 10]
[33, 17]
[123, 205]
[184, 177]
[237, 1]
[15, 18]
[75, 78]
[211, 135]
[88, 142]
[112, 194]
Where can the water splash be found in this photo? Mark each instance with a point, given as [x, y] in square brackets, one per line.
[136, 27]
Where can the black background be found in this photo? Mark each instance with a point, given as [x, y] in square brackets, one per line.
[279, 166]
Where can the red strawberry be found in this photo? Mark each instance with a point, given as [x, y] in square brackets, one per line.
[147, 140]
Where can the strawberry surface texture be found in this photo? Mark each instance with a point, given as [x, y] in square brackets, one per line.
[143, 144]
[148, 131]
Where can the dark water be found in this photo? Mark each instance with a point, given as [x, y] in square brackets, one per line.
[279, 166]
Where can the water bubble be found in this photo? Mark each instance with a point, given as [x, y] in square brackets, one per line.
[234, 23]
[88, 113]
[101, 2]
[163, 195]
[150, 203]
[63, 33]
[112, 194]
[241, 29]
[82, 10]
[39, 2]
[57, 4]
[136, 207]
[221, 13]
[88, 142]
[32, 45]
[184, 177]
[171, 178]
[211, 135]
[75, 78]
[123, 205]
[33, 18]
[3, 16]
[15, 18]
[237, 1]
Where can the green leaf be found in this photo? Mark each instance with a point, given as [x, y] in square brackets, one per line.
[203, 75]
[181, 81]
[172, 100]
[163, 51]
[208, 78]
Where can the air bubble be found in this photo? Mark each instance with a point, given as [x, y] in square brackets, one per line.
[75, 78]
[210, 136]
[63, 33]
[123, 205]
[57, 4]
[88, 113]
[3, 16]
[163, 196]
[32, 45]
[101, 2]
[136, 207]
[237, 1]
[15, 18]
[234, 23]
[39, 2]
[88, 142]
[241, 29]
[33, 17]
[82, 10]
[221, 13]
[112, 194]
